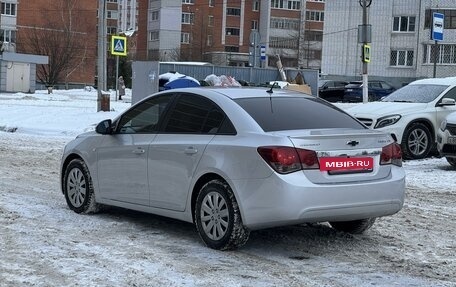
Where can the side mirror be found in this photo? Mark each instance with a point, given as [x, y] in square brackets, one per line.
[104, 127]
[447, 102]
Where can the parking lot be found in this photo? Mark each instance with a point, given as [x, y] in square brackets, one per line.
[43, 243]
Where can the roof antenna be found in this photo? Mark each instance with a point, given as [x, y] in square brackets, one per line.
[272, 87]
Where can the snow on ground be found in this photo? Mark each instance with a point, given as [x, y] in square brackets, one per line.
[43, 243]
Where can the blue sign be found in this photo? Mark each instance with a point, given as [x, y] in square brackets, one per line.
[437, 27]
[263, 53]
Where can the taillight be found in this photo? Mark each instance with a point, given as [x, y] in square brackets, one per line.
[391, 154]
[288, 159]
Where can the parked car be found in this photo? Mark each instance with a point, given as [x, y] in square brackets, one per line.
[332, 91]
[412, 114]
[233, 160]
[446, 139]
[376, 91]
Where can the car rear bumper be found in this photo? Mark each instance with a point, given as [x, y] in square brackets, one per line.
[285, 200]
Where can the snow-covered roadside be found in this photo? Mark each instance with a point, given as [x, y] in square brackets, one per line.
[43, 243]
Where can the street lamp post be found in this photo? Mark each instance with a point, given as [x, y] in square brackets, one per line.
[127, 33]
[365, 39]
[101, 61]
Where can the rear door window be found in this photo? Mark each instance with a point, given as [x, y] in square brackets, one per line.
[196, 114]
[293, 113]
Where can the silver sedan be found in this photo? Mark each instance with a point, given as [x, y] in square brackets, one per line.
[232, 160]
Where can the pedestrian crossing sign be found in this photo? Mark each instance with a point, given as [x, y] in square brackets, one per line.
[119, 45]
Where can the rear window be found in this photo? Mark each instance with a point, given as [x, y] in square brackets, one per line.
[288, 113]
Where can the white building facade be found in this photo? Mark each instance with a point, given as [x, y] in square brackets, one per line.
[401, 48]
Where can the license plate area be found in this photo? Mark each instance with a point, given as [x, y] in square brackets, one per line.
[341, 165]
[452, 140]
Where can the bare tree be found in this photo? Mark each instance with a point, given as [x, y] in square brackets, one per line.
[58, 40]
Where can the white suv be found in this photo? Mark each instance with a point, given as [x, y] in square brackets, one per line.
[446, 139]
[412, 114]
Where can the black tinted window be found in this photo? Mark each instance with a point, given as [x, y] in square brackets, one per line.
[144, 117]
[276, 114]
[194, 114]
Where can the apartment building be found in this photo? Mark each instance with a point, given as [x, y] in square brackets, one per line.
[232, 32]
[222, 32]
[51, 23]
[401, 48]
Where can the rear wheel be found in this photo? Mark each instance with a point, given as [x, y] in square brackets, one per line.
[353, 227]
[451, 160]
[416, 141]
[217, 216]
[78, 188]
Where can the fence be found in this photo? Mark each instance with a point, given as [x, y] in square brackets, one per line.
[255, 76]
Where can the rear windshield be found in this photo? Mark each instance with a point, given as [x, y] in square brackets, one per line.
[289, 113]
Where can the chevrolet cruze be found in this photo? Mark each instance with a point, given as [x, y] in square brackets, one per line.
[232, 160]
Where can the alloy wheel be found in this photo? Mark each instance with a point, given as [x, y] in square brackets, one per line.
[76, 187]
[214, 216]
[418, 142]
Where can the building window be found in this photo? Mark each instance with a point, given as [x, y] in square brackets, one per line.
[445, 54]
[449, 21]
[188, 1]
[401, 58]
[294, 5]
[256, 5]
[154, 15]
[313, 36]
[232, 49]
[283, 43]
[233, 11]
[285, 23]
[185, 38]
[232, 31]
[277, 4]
[154, 36]
[315, 0]
[8, 36]
[9, 9]
[210, 40]
[211, 3]
[111, 30]
[210, 21]
[404, 24]
[112, 14]
[318, 16]
[111, 1]
[187, 18]
[254, 25]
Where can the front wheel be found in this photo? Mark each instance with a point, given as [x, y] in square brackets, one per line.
[217, 217]
[78, 188]
[416, 141]
[353, 227]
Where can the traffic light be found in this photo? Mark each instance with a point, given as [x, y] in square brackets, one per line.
[366, 53]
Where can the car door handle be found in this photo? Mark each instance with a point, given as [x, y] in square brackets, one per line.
[138, 151]
[190, 150]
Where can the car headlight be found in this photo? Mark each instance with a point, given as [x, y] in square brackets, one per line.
[387, 121]
[443, 125]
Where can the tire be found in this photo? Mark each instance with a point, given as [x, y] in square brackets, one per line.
[78, 188]
[451, 161]
[353, 227]
[217, 217]
[416, 141]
